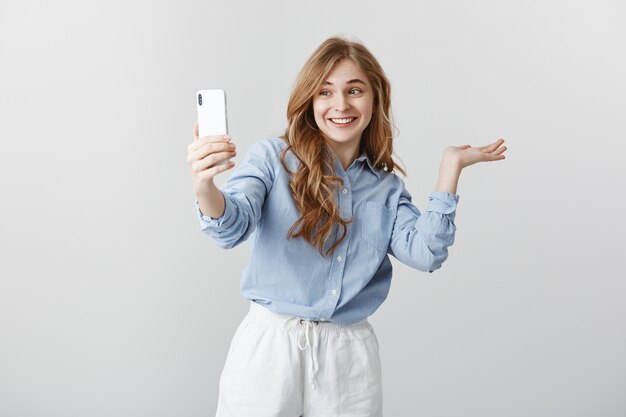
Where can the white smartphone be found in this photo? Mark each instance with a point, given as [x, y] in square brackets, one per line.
[212, 118]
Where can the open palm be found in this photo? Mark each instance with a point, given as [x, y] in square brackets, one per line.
[467, 155]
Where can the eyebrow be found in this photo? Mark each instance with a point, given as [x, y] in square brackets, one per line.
[356, 80]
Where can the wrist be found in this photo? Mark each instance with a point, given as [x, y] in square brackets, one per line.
[451, 163]
[449, 173]
[205, 190]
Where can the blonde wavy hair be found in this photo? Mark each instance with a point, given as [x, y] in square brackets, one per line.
[314, 184]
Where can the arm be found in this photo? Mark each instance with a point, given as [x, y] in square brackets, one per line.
[421, 240]
[243, 196]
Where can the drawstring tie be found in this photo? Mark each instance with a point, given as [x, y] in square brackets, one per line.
[308, 325]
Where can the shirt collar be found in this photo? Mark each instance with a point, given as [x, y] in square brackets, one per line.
[361, 158]
[364, 156]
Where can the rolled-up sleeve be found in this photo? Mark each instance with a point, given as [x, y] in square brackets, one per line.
[421, 240]
[244, 194]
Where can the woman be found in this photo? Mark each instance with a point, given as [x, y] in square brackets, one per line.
[326, 210]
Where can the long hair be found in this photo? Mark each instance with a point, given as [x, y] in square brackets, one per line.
[314, 184]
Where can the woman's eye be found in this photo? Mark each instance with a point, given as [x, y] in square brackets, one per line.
[326, 92]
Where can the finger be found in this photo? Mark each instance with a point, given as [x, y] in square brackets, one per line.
[195, 132]
[202, 151]
[213, 159]
[211, 162]
[208, 139]
[496, 156]
[211, 147]
[213, 171]
[496, 144]
[499, 150]
[492, 147]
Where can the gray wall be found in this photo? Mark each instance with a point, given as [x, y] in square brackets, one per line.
[112, 302]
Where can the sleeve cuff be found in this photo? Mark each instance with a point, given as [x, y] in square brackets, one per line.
[210, 222]
[442, 202]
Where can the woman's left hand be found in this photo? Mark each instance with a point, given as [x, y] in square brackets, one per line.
[466, 155]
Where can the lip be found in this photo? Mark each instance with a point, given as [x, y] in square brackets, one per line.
[344, 125]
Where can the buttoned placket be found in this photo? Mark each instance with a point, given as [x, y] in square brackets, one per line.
[311, 325]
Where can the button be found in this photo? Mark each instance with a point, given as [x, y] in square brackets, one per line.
[339, 258]
[345, 191]
[334, 292]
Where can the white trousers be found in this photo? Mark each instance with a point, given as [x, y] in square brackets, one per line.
[280, 365]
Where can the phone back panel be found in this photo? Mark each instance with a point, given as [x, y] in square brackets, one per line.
[212, 118]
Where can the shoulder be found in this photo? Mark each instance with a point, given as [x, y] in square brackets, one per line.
[272, 148]
[265, 154]
[398, 186]
[390, 180]
[395, 179]
[268, 146]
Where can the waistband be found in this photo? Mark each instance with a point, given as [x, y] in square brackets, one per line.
[309, 330]
[263, 313]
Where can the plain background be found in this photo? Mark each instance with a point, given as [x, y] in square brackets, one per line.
[112, 302]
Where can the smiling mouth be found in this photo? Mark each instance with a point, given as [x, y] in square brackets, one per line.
[344, 121]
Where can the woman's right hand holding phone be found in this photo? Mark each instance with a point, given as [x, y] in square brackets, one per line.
[207, 157]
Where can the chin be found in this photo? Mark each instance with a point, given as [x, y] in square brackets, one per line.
[340, 139]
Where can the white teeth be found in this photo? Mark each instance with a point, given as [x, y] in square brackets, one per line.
[342, 121]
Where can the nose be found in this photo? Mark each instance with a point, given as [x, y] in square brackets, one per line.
[341, 103]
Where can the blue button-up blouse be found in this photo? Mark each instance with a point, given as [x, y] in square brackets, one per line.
[288, 276]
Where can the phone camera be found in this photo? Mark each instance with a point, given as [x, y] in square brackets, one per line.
[200, 99]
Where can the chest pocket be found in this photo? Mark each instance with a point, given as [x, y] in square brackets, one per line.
[376, 224]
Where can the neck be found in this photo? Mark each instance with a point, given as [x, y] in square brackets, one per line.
[346, 153]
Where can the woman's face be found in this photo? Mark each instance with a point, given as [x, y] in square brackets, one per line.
[346, 96]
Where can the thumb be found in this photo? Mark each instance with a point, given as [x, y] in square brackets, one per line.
[195, 132]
